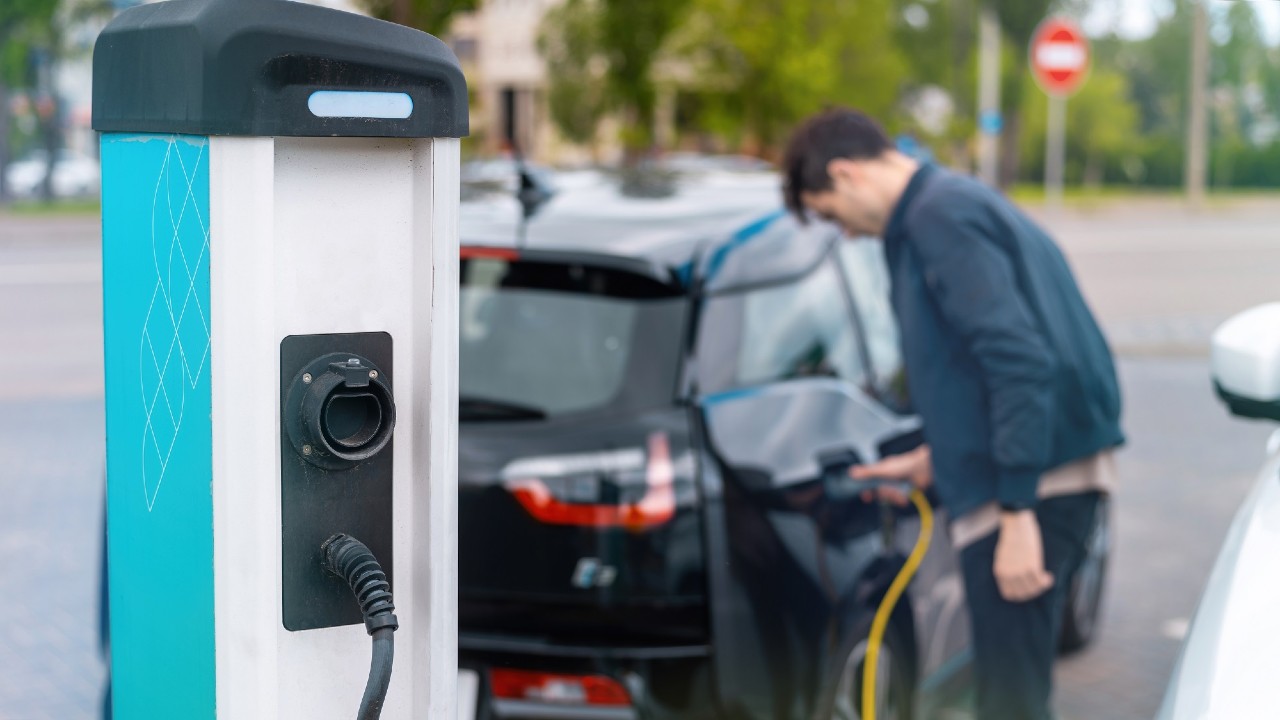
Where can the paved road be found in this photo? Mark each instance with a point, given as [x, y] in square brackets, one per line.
[1185, 471]
[1159, 278]
[51, 449]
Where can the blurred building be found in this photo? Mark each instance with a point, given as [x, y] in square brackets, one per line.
[498, 47]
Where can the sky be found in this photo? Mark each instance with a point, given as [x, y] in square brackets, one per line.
[1138, 18]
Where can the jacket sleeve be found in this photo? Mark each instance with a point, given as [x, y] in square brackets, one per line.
[972, 279]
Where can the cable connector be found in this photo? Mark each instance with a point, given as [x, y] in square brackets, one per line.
[351, 560]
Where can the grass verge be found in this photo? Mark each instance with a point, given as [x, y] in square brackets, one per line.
[36, 208]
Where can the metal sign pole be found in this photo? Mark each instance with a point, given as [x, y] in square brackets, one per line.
[989, 121]
[1060, 63]
[1055, 151]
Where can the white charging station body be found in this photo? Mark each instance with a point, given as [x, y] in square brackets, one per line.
[322, 201]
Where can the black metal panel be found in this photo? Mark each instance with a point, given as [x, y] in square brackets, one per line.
[248, 67]
[316, 503]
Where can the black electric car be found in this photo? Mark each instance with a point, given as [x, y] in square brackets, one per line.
[659, 401]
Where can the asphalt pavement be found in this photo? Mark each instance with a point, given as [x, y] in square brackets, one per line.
[1160, 278]
[51, 464]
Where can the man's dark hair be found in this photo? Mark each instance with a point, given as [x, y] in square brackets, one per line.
[836, 133]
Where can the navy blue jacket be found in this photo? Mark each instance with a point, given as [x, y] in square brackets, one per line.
[1004, 361]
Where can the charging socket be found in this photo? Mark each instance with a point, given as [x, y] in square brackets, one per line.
[337, 416]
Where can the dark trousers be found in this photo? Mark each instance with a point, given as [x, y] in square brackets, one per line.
[1014, 644]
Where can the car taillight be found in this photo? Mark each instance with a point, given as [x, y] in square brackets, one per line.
[472, 252]
[655, 507]
[547, 687]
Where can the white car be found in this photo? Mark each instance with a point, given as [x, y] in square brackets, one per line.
[1229, 660]
[74, 175]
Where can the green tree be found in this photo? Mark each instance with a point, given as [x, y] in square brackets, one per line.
[776, 61]
[1271, 80]
[24, 20]
[570, 44]
[937, 40]
[429, 16]
[1238, 70]
[1018, 21]
[611, 46]
[1164, 66]
[25, 26]
[633, 33]
[1102, 128]
[1158, 70]
[925, 31]
[1242, 53]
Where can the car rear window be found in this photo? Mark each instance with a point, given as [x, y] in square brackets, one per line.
[540, 340]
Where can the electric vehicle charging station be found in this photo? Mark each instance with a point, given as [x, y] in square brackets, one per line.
[280, 259]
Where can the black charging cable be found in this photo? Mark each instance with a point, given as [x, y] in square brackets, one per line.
[351, 560]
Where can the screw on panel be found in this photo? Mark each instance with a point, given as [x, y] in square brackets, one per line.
[373, 374]
[306, 378]
[306, 449]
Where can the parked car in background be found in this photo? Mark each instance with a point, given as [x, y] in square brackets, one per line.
[74, 175]
[693, 163]
[660, 398]
[1229, 658]
[500, 173]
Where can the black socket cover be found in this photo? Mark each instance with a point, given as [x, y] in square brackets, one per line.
[307, 411]
[248, 67]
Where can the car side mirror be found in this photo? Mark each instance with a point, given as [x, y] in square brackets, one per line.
[1245, 362]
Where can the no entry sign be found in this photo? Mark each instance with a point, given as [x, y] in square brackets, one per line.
[1059, 56]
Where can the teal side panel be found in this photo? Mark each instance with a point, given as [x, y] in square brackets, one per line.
[155, 257]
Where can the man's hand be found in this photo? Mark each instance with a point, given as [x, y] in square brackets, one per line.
[915, 467]
[1019, 564]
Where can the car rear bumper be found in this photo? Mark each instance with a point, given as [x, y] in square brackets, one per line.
[525, 710]
[664, 682]
[481, 644]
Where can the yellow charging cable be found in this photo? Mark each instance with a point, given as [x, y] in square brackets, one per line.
[899, 585]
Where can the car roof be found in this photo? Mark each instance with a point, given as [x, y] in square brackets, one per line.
[707, 228]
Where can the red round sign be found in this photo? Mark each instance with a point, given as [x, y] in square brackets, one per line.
[1059, 56]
